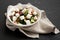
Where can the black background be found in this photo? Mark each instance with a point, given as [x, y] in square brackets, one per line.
[52, 8]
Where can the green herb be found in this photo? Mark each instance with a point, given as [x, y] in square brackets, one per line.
[22, 22]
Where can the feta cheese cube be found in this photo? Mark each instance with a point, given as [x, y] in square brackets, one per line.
[28, 16]
[21, 17]
[27, 22]
[35, 18]
[14, 18]
[34, 13]
[17, 14]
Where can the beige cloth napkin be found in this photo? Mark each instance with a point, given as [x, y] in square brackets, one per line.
[44, 26]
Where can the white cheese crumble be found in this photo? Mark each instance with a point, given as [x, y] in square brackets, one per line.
[28, 16]
[27, 22]
[21, 17]
[34, 13]
[35, 18]
[14, 18]
[17, 14]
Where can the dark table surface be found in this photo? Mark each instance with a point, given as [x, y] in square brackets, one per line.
[52, 8]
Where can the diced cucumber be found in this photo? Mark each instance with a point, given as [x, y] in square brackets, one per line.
[26, 12]
[32, 20]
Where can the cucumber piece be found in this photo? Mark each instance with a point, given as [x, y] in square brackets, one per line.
[26, 12]
[32, 20]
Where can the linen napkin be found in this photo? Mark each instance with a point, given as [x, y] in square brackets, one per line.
[43, 26]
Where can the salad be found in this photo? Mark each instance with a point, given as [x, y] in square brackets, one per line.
[24, 16]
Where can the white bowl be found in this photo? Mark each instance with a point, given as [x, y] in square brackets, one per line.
[39, 16]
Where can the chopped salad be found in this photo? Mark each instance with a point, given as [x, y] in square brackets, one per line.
[24, 16]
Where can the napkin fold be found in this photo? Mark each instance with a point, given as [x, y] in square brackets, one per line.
[43, 26]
